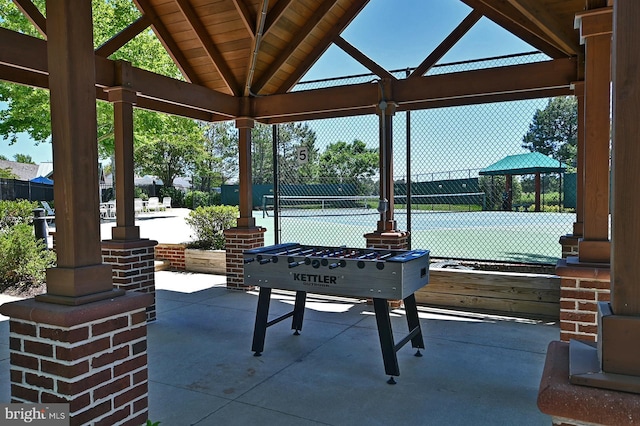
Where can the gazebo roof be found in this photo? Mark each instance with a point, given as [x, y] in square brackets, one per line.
[524, 164]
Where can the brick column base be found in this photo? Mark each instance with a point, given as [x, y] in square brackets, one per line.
[237, 240]
[133, 264]
[391, 240]
[174, 253]
[582, 286]
[92, 356]
[569, 245]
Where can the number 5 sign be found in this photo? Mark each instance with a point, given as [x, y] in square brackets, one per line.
[302, 155]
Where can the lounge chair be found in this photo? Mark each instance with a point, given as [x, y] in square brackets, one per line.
[50, 214]
[166, 202]
[138, 205]
[153, 204]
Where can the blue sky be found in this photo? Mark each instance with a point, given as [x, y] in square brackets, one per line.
[396, 34]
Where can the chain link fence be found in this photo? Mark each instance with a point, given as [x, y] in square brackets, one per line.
[447, 195]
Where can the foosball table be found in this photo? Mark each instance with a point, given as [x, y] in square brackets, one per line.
[379, 274]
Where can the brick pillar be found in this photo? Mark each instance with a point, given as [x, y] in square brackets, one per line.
[133, 266]
[91, 356]
[390, 240]
[237, 240]
[581, 288]
[569, 245]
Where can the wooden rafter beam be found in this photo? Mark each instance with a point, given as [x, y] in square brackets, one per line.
[33, 14]
[275, 14]
[23, 60]
[167, 41]
[298, 38]
[367, 62]
[322, 45]
[512, 82]
[207, 44]
[540, 16]
[248, 18]
[123, 37]
[507, 17]
[467, 23]
[416, 106]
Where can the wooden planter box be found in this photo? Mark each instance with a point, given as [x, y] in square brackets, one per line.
[535, 295]
[206, 261]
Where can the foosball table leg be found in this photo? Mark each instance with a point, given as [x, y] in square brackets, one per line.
[298, 312]
[383, 320]
[413, 322]
[260, 327]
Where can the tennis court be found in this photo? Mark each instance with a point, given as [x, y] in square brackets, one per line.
[486, 235]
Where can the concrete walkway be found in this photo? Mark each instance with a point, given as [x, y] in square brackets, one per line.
[476, 369]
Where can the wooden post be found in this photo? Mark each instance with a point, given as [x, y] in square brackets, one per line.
[80, 275]
[123, 98]
[595, 30]
[625, 275]
[244, 126]
[578, 225]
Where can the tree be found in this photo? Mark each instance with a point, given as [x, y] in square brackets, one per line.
[7, 174]
[354, 163]
[170, 149]
[23, 158]
[554, 130]
[28, 108]
[262, 154]
[292, 136]
[219, 160]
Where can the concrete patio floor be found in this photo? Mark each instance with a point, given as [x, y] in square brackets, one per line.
[476, 369]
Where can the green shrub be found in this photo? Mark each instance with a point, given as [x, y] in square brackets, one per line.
[14, 212]
[208, 224]
[177, 196]
[23, 259]
[195, 199]
[140, 193]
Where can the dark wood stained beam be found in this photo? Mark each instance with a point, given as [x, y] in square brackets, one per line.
[23, 60]
[506, 16]
[536, 13]
[367, 62]
[248, 18]
[123, 37]
[275, 13]
[416, 106]
[33, 14]
[24, 77]
[209, 47]
[446, 45]
[298, 38]
[513, 82]
[167, 41]
[596, 4]
[322, 45]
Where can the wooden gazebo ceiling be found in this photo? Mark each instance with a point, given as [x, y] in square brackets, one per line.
[243, 57]
[245, 47]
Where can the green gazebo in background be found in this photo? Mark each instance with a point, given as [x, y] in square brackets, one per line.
[523, 164]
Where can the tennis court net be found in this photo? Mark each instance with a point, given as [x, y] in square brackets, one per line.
[350, 205]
